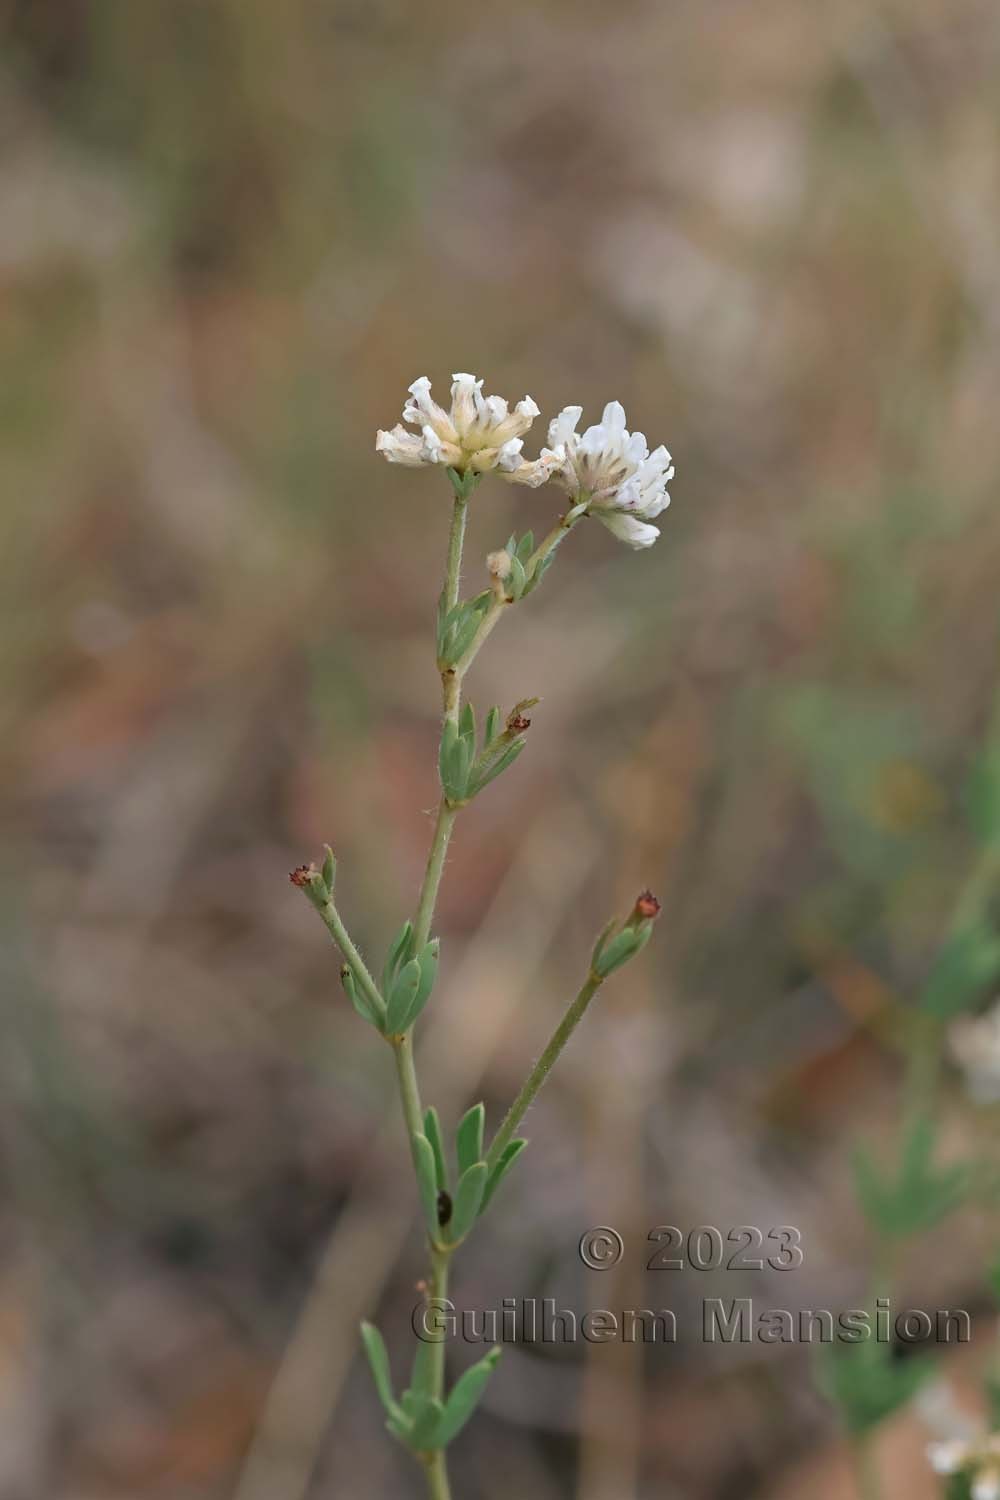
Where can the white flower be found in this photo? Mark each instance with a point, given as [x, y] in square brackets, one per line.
[612, 471]
[948, 1457]
[974, 1042]
[478, 433]
[977, 1458]
[986, 1485]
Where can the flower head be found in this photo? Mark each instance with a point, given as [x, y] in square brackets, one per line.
[978, 1461]
[478, 433]
[610, 470]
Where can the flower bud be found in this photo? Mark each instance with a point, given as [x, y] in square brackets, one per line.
[499, 564]
[646, 907]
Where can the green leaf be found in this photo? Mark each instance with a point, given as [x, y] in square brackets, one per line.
[427, 965]
[427, 1412]
[618, 950]
[469, 1138]
[329, 870]
[967, 966]
[599, 946]
[468, 1197]
[486, 771]
[432, 1130]
[867, 1383]
[455, 765]
[919, 1196]
[358, 998]
[426, 1170]
[508, 1157]
[539, 571]
[516, 579]
[399, 952]
[422, 1372]
[525, 547]
[494, 723]
[467, 722]
[464, 1398]
[401, 998]
[378, 1359]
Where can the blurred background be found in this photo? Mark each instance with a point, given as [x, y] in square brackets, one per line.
[231, 234]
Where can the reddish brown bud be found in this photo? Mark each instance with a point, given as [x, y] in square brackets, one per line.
[301, 875]
[518, 723]
[646, 907]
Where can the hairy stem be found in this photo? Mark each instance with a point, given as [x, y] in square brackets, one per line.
[456, 541]
[341, 937]
[542, 1069]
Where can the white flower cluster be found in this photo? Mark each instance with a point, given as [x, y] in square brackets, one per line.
[606, 469]
[974, 1042]
[979, 1461]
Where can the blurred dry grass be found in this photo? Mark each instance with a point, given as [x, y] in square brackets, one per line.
[230, 234]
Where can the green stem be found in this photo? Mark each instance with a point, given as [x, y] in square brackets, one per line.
[446, 816]
[440, 1262]
[865, 1468]
[436, 1469]
[341, 937]
[456, 541]
[486, 627]
[542, 1069]
[409, 1090]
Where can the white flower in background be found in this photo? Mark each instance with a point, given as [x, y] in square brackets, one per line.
[612, 471]
[978, 1460]
[974, 1042]
[986, 1485]
[478, 433]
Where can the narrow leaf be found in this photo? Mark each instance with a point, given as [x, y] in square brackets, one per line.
[329, 870]
[399, 1001]
[469, 1138]
[508, 1157]
[617, 951]
[432, 1130]
[490, 770]
[399, 952]
[427, 964]
[516, 579]
[378, 1359]
[358, 998]
[464, 1398]
[427, 1414]
[468, 1197]
[426, 1170]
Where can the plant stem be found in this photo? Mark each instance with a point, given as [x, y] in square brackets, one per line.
[865, 1468]
[341, 937]
[409, 1091]
[436, 1469]
[456, 541]
[543, 1067]
[440, 1263]
[440, 839]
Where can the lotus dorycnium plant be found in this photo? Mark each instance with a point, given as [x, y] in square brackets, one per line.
[606, 472]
